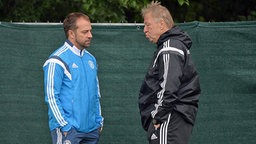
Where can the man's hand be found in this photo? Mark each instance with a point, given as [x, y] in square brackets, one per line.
[65, 134]
[157, 126]
[100, 129]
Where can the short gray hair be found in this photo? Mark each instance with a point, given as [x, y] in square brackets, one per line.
[158, 12]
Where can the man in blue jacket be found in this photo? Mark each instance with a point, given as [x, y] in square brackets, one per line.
[71, 86]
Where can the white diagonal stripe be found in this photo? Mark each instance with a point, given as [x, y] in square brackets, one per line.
[166, 47]
[54, 60]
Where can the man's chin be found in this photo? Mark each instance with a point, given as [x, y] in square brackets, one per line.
[152, 41]
[87, 45]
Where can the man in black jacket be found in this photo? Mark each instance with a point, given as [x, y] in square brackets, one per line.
[169, 95]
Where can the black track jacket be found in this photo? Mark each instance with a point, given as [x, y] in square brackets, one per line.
[172, 82]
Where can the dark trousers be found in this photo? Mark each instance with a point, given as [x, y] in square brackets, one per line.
[174, 131]
[75, 137]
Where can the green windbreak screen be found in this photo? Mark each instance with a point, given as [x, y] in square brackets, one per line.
[224, 54]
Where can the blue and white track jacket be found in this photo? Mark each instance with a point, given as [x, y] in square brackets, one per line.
[72, 90]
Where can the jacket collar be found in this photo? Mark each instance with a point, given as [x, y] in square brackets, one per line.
[74, 49]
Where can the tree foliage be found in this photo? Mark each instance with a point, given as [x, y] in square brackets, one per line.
[117, 11]
[213, 10]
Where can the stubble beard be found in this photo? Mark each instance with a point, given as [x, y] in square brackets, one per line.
[83, 45]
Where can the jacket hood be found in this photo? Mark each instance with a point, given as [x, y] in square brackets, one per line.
[177, 34]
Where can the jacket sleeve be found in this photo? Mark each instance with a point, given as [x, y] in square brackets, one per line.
[170, 73]
[99, 118]
[53, 75]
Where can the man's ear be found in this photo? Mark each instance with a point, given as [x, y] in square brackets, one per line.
[163, 25]
[71, 34]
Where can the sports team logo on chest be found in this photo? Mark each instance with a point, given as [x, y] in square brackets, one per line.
[91, 64]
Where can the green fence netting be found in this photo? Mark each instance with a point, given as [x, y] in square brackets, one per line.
[224, 54]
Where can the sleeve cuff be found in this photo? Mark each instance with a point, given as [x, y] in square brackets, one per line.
[66, 128]
[155, 122]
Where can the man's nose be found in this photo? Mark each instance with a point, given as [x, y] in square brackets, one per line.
[145, 29]
[90, 34]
